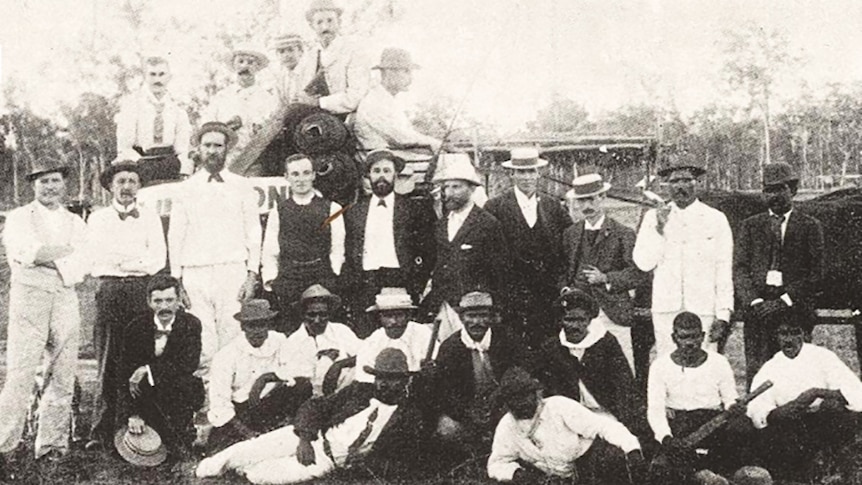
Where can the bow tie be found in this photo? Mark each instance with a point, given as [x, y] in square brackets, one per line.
[132, 213]
[162, 333]
[215, 177]
[382, 203]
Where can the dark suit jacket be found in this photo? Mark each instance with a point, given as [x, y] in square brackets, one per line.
[801, 258]
[476, 259]
[604, 372]
[173, 371]
[413, 230]
[611, 253]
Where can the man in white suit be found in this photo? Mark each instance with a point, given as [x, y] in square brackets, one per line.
[689, 247]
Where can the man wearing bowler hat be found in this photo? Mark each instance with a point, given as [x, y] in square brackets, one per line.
[533, 226]
[44, 245]
[778, 265]
[380, 122]
[689, 248]
[125, 245]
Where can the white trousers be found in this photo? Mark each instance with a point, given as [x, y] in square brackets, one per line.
[42, 324]
[268, 459]
[213, 294]
[663, 323]
[623, 335]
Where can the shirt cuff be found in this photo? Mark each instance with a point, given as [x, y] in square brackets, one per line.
[786, 298]
[150, 378]
[756, 301]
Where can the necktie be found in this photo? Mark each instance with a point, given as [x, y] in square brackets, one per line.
[353, 449]
[775, 222]
[159, 125]
[215, 177]
[134, 214]
[381, 203]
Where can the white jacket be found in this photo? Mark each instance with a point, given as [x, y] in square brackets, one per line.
[348, 73]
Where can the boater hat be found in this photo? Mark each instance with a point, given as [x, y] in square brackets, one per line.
[588, 185]
[318, 292]
[287, 39]
[107, 175]
[474, 300]
[253, 51]
[145, 449]
[391, 299]
[524, 159]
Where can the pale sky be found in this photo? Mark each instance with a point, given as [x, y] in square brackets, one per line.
[506, 57]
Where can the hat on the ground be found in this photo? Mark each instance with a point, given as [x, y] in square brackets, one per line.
[455, 166]
[390, 362]
[47, 165]
[395, 58]
[517, 382]
[220, 127]
[778, 173]
[286, 39]
[318, 292]
[572, 298]
[383, 154]
[107, 175]
[589, 185]
[255, 310]
[145, 449]
[474, 300]
[251, 50]
[391, 299]
[318, 5]
[524, 159]
[752, 475]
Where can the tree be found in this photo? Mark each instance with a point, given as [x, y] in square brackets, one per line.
[561, 115]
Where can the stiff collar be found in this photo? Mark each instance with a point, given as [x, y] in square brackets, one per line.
[522, 198]
[166, 328]
[594, 227]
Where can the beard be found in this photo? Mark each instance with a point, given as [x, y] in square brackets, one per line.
[382, 187]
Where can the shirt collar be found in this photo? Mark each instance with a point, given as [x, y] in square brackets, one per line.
[148, 95]
[167, 327]
[122, 210]
[482, 345]
[597, 226]
[389, 199]
[523, 199]
[595, 331]
[786, 214]
[304, 199]
[462, 214]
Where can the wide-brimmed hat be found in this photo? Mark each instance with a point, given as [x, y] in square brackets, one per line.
[395, 58]
[219, 127]
[318, 5]
[145, 449]
[589, 185]
[524, 159]
[391, 299]
[572, 298]
[318, 292]
[474, 300]
[251, 50]
[455, 166]
[683, 161]
[107, 175]
[254, 311]
[778, 173]
[286, 39]
[47, 165]
[383, 154]
[390, 362]
[517, 382]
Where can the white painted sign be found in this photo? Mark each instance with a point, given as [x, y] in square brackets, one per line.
[269, 191]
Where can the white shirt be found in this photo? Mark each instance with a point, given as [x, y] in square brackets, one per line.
[161, 340]
[303, 348]
[131, 247]
[136, 123]
[286, 85]
[594, 227]
[254, 105]
[271, 250]
[528, 205]
[456, 219]
[814, 366]
[671, 386]
[236, 367]
[343, 435]
[783, 223]
[348, 73]
[564, 432]
[414, 344]
[379, 247]
[214, 223]
[381, 123]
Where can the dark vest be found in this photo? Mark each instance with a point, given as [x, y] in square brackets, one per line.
[303, 234]
[533, 250]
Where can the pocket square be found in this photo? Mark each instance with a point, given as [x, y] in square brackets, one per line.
[466, 246]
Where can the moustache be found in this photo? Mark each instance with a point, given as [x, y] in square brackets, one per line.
[164, 312]
[245, 72]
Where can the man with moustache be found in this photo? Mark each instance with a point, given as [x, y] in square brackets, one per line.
[689, 248]
[161, 349]
[151, 123]
[533, 227]
[778, 265]
[214, 242]
[389, 241]
[334, 74]
[303, 243]
[125, 245]
[44, 246]
[288, 48]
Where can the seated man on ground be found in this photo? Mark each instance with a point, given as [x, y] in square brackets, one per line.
[242, 405]
[161, 351]
[813, 406]
[378, 428]
[686, 389]
[559, 437]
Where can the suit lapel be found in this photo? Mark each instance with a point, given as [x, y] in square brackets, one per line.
[398, 226]
[467, 226]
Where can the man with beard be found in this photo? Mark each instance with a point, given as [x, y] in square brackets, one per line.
[160, 351]
[377, 426]
[334, 74]
[689, 248]
[778, 265]
[389, 241]
[126, 245]
[289, 48]
[472, 252]
[44, 246]
[533, 227]
[214, 242]
[557, 440]
[150, 120]
[246, 105]
[813, 405]
[303, 243]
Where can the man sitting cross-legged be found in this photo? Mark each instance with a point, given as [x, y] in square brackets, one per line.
[379, 427]
[558, 437]
[240, 406]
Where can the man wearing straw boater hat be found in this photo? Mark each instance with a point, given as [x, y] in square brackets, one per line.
[380, 121]
[533, 226]
[376, 428]
[288, 48]
[125, 245]
[44, 245]
[598, 254]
